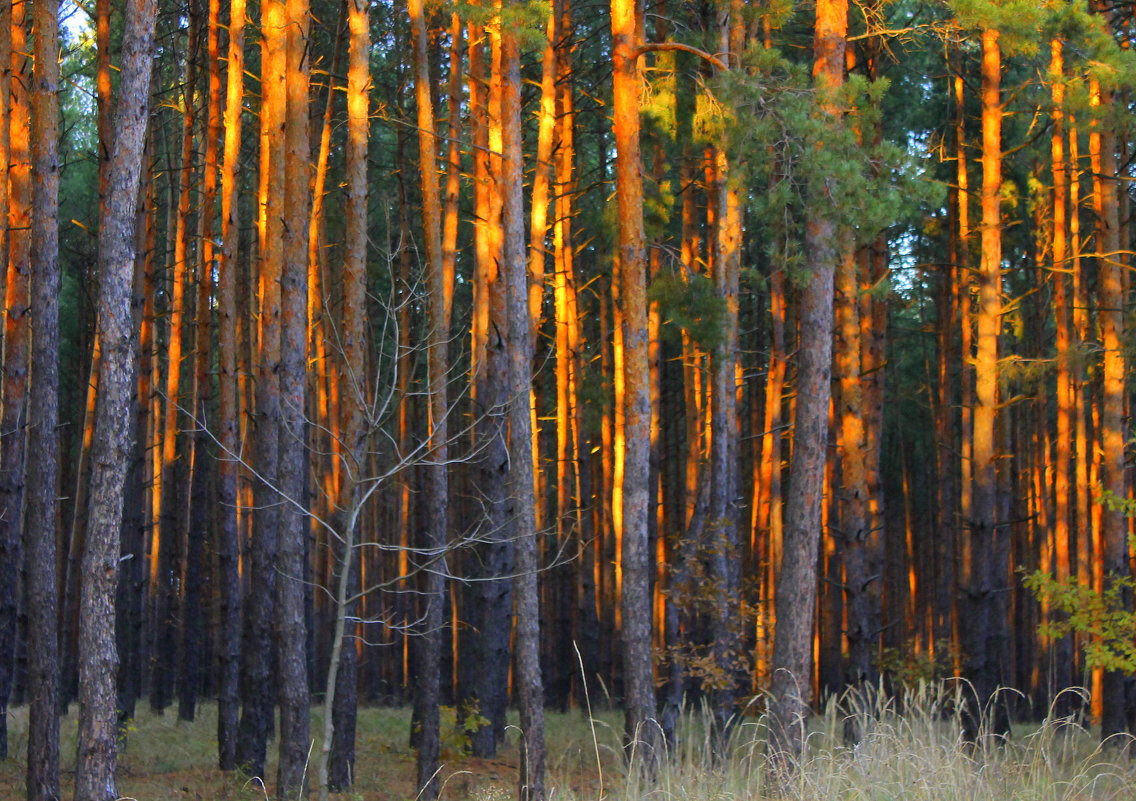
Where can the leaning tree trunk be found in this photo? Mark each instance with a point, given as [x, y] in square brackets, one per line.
[97, 758]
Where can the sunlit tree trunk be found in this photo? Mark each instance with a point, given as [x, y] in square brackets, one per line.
[427, 693]
[175, 470]
[796, 588]
[340, 707]
[963, 297]
[486, 643]
[984, 633]
[1111, 315]
[97, 747]
[9, 559]
[291, 627]
[43, 414]
[854, 524]
[528, 683]
[193, 627]
[722, 530]
[257, 686]
[640, 731]
[16, 191]
[228, 537]
[1063, 655]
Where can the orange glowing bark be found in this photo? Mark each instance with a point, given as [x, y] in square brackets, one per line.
[228, 547]
[172, 521]
[981, 576]
[1112, 557]
[256, 651]
[639, 690]
[436, 496]
[1063, 666]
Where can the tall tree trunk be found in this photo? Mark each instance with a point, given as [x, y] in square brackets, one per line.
[97, 757]
[527, 681]
[1113, 435]
[1062, 676]
[257, 693]
[175, 472]
[17, 193]
[9, 556]
[641, 733]
[487, 639]
[982, 576]
[427, 695]
[338, 765]
[853, 522]
[43, 415]
[796, 587]
[291, 624]
[130, 597]
[722, 528]
[193, 673]
[228, 537]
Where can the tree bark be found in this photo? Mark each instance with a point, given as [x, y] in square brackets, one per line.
[43, 415]
[528, 683]
[173, 518]
[228, 537]
[257, 693]
[341, 697]
[1113, 428]
[291, 625]
[795, 602]
[429, 659]
[17, 193]
[97, 749]
[984, 577]
[641, 732]
[485, 643]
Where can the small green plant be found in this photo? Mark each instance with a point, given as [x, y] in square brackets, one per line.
[1105, 615]
[909, 669]
[458, 729]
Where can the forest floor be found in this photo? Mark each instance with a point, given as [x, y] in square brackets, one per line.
[167, 759]
[915, 756]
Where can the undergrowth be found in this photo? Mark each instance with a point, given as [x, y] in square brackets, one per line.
[910, 748]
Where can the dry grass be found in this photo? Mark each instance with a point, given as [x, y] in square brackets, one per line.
[916, 755]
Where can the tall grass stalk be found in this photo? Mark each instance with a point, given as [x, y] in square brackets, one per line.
[910, 748]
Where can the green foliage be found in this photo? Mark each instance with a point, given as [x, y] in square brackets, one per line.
[456, 730]
[909, 669]
[689, 303]
[799, 159]
[525, 19]
[1106, 616]
[1017, 21]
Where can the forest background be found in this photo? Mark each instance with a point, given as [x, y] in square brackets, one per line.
[464, 354]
